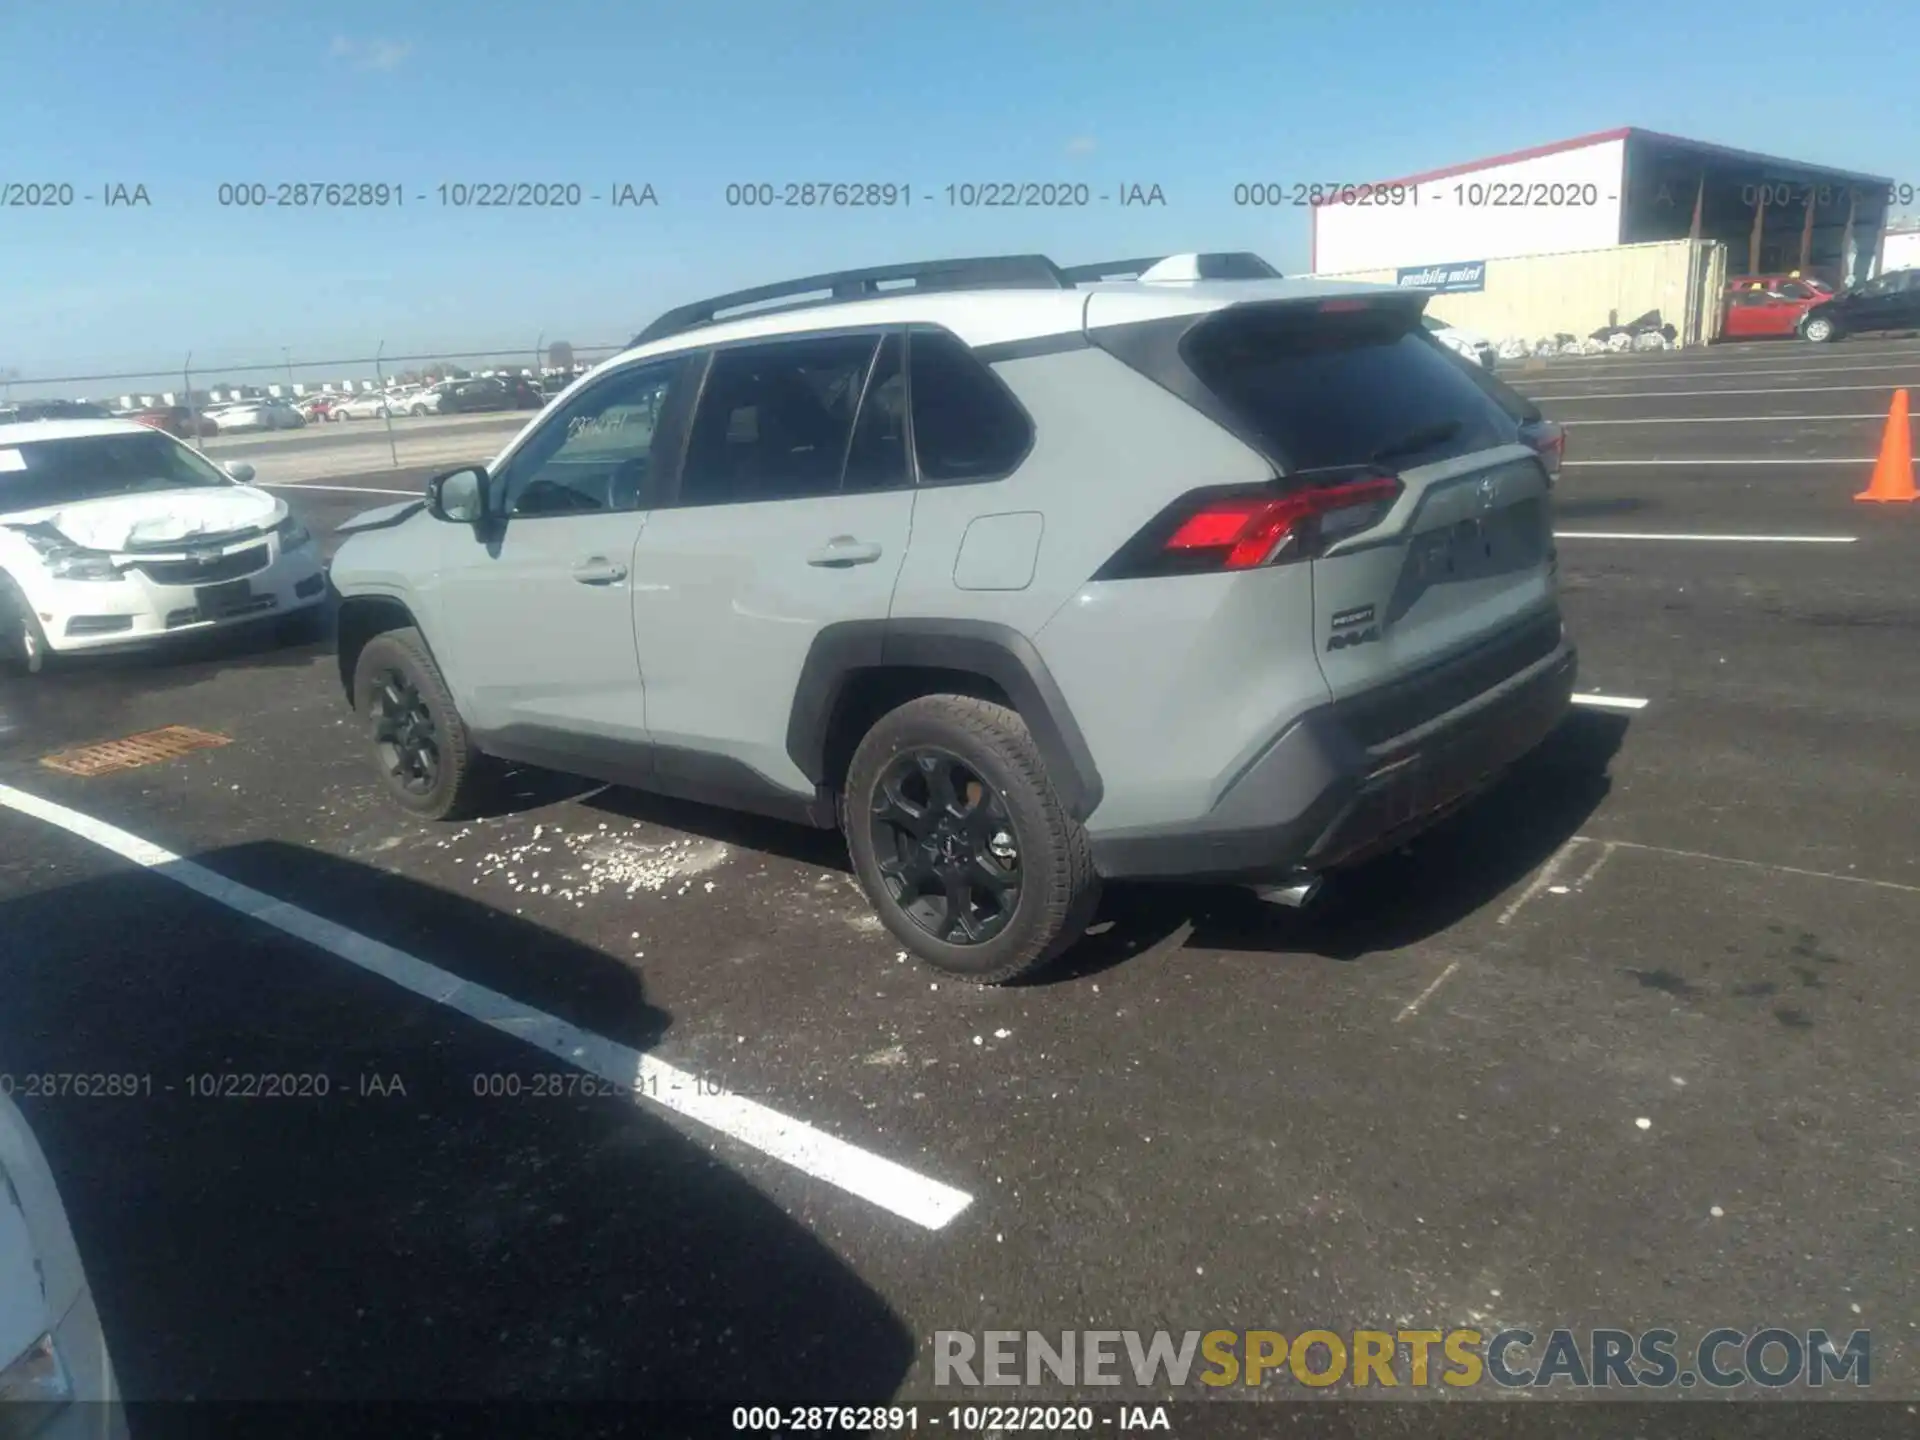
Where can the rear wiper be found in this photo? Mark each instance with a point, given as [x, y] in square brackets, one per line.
[1413, 441]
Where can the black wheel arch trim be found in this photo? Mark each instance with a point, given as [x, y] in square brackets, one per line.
[984, 648]
[347, 657]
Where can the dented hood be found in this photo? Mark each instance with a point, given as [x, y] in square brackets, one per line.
[143, 522]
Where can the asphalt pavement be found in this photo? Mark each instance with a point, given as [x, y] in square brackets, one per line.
[1628, 1044]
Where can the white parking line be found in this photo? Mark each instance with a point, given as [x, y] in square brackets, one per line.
[1611, 702]
[1717, 419]
[892, 1187]
[1809, 460]
[1724, 390]
[1758, 865]
[342, 489]
[1711, 539]
[1412, 1007]
[1544, 878]
[1688, 373]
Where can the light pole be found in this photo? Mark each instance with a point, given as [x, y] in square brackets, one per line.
[286, 353]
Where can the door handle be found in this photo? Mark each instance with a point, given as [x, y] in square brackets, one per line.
[844, 550]
[599, 571]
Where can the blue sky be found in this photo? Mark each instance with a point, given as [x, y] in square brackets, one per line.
[1193, 97]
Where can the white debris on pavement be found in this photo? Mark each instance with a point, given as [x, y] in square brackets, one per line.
[596, 862]
[1644, 1123]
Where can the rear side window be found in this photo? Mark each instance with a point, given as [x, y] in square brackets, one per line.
[775, 421]
[966, 424]
[1333, 389]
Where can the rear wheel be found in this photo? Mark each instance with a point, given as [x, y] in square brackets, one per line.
[420, 744]
[960, 842]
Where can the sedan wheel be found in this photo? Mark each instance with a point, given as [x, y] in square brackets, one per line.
[1820, 330]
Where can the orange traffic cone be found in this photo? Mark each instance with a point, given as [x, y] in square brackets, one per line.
[1893, 474]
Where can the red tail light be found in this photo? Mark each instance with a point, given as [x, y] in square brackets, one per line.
[1549, 442]
[1208, 532]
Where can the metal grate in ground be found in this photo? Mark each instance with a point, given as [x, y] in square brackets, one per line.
[149, 748]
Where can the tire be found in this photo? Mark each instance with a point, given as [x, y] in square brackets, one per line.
[23, 642]
[401, 656]
[419, 410]
[1821, 331]
[890, 797]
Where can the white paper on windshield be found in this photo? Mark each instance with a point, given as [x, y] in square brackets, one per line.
[11, 460]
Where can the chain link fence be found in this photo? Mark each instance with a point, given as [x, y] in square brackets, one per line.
[210, 379]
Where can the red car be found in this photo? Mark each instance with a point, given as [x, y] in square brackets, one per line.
[1758, 305]
[178, 421]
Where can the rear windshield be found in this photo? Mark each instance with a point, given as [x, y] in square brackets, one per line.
[1327, 390]
[46, 473]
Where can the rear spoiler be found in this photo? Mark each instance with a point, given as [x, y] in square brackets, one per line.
[1193, 265]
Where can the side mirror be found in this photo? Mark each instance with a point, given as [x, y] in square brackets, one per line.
[459, 496]
[240, 470]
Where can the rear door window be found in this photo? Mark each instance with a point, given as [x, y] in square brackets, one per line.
[775, 421]
[966, 423]
[1332, 389]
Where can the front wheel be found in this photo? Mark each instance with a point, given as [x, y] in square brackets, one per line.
[23, 643]
[962, 845]
[1820, 330]
[420, 744]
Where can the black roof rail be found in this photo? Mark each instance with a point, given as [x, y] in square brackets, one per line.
[985, 272]
[1212, 265]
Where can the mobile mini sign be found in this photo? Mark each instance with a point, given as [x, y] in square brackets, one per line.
[1459, 278]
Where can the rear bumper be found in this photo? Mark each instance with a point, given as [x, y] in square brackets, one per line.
[1327, 793]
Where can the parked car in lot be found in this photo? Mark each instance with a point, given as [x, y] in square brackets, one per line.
[1466, 343]
[426, 400]
[248, 415]
[1886, 302]
[1024, 586]
[113, 533]
[23, 410]
[373, 406]
[490, 393]
[57, 1378]
[178, 421]
[315, 407]
[1769, 305]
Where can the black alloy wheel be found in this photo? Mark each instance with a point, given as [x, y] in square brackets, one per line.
[946, 847]
[404, 733]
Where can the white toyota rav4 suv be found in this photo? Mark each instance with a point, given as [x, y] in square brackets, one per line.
[113, 533]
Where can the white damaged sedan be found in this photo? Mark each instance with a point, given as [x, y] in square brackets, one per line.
[112, 534]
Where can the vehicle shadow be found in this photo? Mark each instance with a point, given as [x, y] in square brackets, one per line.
[441, 1211]
[801, 843]
[1399, 899]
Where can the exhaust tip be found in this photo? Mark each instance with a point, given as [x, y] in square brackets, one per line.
[1294, 893]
